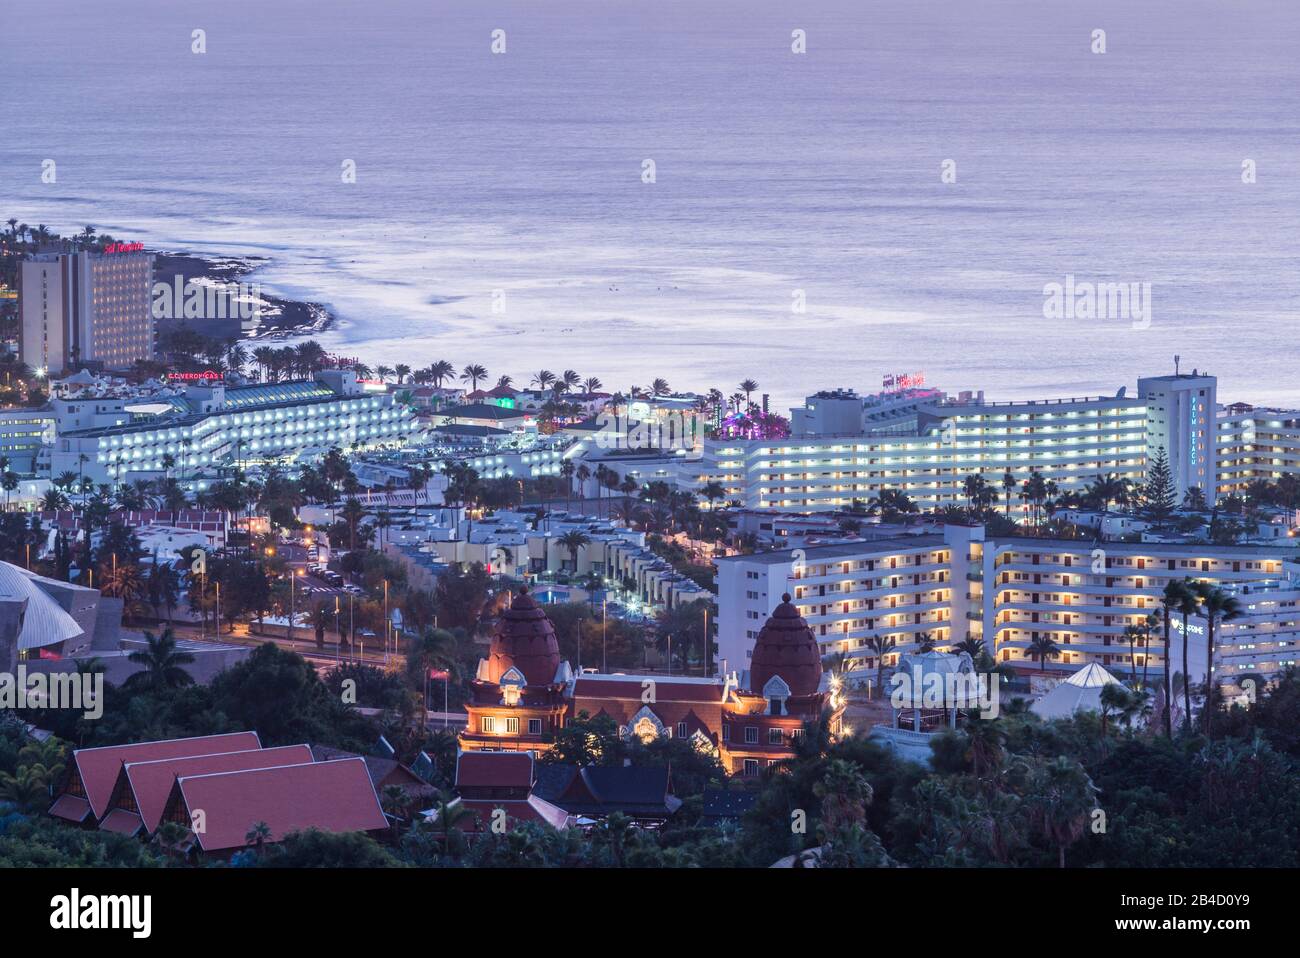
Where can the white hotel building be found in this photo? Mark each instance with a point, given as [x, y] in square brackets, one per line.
[211, 427]
[1257, 443]
[1070, 441]
[953, 585]
[845, 448]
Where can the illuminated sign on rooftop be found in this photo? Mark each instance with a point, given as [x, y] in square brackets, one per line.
[207, 375]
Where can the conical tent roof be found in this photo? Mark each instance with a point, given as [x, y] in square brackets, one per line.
[1081, 692]
[1092, 676]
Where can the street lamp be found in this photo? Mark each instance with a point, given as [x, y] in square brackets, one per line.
[293, 583]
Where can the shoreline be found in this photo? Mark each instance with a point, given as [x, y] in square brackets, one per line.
[280, 318]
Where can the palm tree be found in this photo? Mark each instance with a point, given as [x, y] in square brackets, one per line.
[1169, 603]
[713, 491]
[258, 835]
[1059, 798]
[472, 374]
[26, 789]
[383, 372]
[1188, 604]
[1107, 489]
[892, 505]
[9, 481]
[439, 371]
[1149, 623]
[879, 645]
[567, 469]
[977, 491]
[542, 379]
[1133, 633]
[163, 664]
[583, 473]
[591, 385]
[1220, 606]
[1008, 487]
[264, 356]
[402, 371]
[660, 387]
[747, 387]
[451, 813]
[54, 500]
[1040, 647]
[573, 540]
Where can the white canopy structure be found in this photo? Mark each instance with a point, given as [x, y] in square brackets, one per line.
[1081, 692]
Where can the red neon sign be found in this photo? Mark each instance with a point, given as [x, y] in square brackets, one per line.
[123, 247]
[206, 376]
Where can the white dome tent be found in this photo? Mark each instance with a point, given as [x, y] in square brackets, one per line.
[1081, 692]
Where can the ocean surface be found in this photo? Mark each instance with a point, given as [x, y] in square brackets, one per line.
[499, 213]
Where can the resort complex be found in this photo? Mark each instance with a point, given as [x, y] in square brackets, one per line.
[267, 605]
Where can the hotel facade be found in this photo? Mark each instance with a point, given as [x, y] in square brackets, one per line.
[212, 427]
[846, 449]
[954, 584]
[86, 307]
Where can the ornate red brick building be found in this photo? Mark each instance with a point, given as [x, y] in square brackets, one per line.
[517, 699]
[524, 692]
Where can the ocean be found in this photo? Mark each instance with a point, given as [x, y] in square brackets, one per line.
[500, 212]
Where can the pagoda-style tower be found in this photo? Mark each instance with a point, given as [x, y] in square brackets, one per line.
[785, 687]
[517, 698]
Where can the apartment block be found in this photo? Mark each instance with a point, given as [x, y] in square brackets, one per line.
[955, 585]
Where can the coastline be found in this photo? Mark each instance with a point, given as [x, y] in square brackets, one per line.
[280, 318]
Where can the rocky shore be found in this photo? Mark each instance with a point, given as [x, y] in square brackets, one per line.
[280, 318]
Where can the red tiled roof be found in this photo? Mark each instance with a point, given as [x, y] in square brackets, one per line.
[494, 769]
[666, 690]
[531, 809]
[331, 796]
[121, 821]
[70, 807]
[98, 767]
[151, 782]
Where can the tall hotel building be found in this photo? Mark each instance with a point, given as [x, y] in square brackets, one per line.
[953, 585]
[928, 448]
[1182, 418]
[846, 447]
[86, 307]
[1257, 443]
